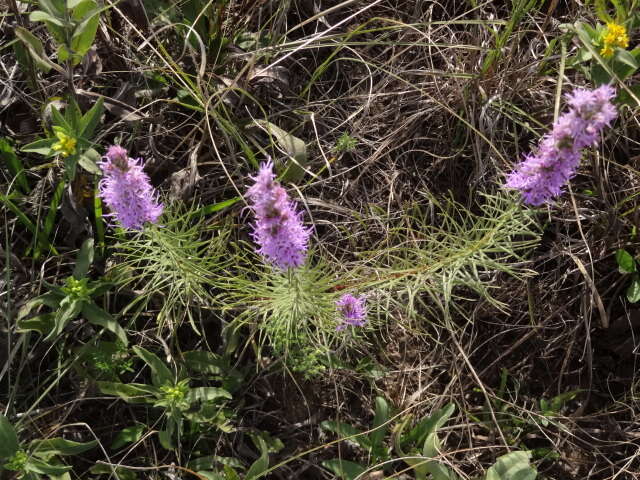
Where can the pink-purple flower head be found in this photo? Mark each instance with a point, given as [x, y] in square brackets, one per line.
[278, 229]
[127, 191]
[543, 175]
[352, 311]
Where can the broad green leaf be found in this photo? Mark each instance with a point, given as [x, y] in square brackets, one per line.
[258, 467]
[50, 299]
[204, 362]
[160, 374]
[90, 119]
[128, 435]
[165, 440]
[429, 425]
[432, 446]
[120, 473]
[42, 146]
[230, 473]
[71, 4]
[98, 316]
[627, 58]
[14, 164]
[89, 161]
[40, 16]
[512, 466]
[439, 472]
[44, 468]
[381, 416]
[84, 259]
[42, 324]
[60, 446]
[36, 49]
[633, 290]
[346, 430]
[85, 32]
[8, 438]
[207, 394]
[626, 263]
[344, 469]
[130, 392]
[294, 147]
[69, 309]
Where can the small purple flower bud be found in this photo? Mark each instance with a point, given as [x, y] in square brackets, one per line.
[542, 175]
[126, 190]
[278, 231]
[352, 310]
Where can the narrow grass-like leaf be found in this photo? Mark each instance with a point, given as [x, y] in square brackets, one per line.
[14, 164]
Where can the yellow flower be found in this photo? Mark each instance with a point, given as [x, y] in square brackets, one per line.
[66, 145]
[614, 36]
[607, 52]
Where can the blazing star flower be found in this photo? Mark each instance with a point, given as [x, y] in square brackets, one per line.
[278, 229]
[352, 310]
[126, 190]
[542, 175]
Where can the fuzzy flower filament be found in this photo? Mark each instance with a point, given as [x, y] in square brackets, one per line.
[127, 191]
[278, 229]
[352, 311]
[543, 174]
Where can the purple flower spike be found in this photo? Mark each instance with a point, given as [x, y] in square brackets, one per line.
[352, 310]
[542, 175]
[126, 190]
[278, 229]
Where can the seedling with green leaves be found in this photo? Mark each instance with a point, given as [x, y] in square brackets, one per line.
[38, 458]
[73, 25]
[70, 138]
[67, 302]
[172, 392]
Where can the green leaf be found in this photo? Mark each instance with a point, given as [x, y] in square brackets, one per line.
[165, 440]
[512, 466]
[625, 57]
[89, 161]
[381, 416]
[294, 147]
[207, 394]
[633, 290]
[160, 374]
[14, 164]
[90, 119]
[42, 146]
[8, 438]
[346, 430]
[50, 219]
[432, 446]
[42, 324]
[131, 392]
[39, 466]
[344, 469]
[429, 425]
[40, 16]
[71, 4]
[113, 472]
[211, 475]
[98, 316]
[69, 309]
[626, 263]
[60, 446]
[204, 362]
[84, 259]
[128, 435]
[258, 467]
[36, 49]
[85, 32]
